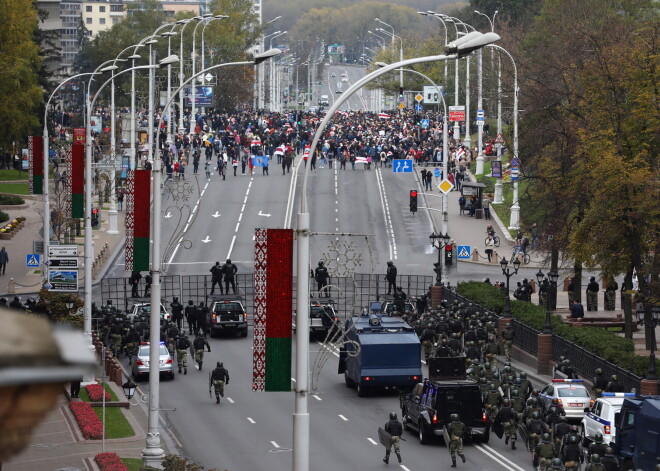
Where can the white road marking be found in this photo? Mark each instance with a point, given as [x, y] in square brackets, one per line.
[293, 379]
[238, 224]
[423, 362]
[245, 199]
[231, 401]
[373, 442]
[206, 186]
[201, 193]
[403, 467]
[240, 216]
[504, 458]
[274, 444]
[251, 420]
[389, 227]
[317, 397]
[343, 418]
[243, 207]
[231, 247]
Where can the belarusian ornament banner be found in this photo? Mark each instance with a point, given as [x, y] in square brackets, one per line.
[273, 286]
[138, 219]
[36, 164]
[78, 181]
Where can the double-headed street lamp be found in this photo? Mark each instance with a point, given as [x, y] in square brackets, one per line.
[439, 241]
[508, 273]
[553, 276]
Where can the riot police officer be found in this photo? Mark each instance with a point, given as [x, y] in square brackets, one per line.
[572, 455]
[201, 316]
[594, 463]
[508, 335]
[395, 429]
[198, 345]
[177, 312]
[148, 279]
[508, 417]
[182, 346]
[535, 428]
[321, 276]
[219, 377]
[598, 446]
[230, 270]
[610, 298]
[456, 431]
[609, 461]
[614, 385]
[134, 281]
[599, 383]
[216, 277]
[191, 317]
[592, 294]
[544, 452]
[390, 276]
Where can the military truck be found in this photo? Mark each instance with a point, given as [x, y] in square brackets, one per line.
[637, 443]
[428, 408]
[379, 352]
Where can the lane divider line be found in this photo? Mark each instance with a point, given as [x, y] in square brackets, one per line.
[274, 444]
[251, 420]
[343, 418]
[373, 442]
[504, 458]
[317, 397]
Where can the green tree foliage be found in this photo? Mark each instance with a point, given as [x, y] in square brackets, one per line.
[514, 11]
[20, 94]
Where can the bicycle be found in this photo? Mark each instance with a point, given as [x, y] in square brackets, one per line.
[517, 250]
[496, 240]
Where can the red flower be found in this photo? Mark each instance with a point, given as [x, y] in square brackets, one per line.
[89, 423]
[95, 392]
[110, 462]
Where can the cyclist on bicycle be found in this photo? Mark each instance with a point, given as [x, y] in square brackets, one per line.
[490, 230]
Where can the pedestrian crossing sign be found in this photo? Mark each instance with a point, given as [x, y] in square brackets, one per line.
[464, 252]
[32, 260]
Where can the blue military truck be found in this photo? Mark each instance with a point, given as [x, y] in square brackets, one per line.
[637, 443]
[380, 352]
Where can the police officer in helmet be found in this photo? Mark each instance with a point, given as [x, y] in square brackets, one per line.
[219, 377]
[395, 429]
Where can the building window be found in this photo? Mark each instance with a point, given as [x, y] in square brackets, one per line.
[88, 21]
[116, 8]
[102, 9]
[88, 8]
[115, 21]
[102, 21]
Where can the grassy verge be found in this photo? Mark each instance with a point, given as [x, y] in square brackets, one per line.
[116, 425]
[133, 464]
[14, 188]
[7, 175]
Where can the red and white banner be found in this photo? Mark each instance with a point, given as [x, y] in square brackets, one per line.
[383, 116]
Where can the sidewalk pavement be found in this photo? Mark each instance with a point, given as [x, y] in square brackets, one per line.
[57, 444]
[29, 280]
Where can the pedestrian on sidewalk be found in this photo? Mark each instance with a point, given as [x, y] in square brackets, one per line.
[461, 204]
[486, 206]
[534, 231]
[4, 258]
[490, 245]
[120, 199]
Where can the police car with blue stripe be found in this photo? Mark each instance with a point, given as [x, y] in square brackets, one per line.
[571, 394]
[602, 417]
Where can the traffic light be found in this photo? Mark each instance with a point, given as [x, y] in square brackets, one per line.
[449, 254]
[413, 201]
[400, 94]
[95, 217]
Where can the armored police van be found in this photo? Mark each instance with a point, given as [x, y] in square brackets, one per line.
[637, 443]
[380, 352]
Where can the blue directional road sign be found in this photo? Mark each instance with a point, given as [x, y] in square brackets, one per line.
[425, 123]
[464, 252]
[402, 166]
[418, 108]
[32, 260]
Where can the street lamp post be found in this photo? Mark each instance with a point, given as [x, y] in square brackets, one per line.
[216, 17]
[435, 15]
[193, 54]
[400, 49]
[553, 276]
[508, 273]
[271, 78]
[181, 74]
[453, 50]
[439, 241]
[380, 41]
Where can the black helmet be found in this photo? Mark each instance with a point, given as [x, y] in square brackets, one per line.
[546, 437]
[219, 364]
[615, 378]
[573, 439]
[190, 302]
[556, 463]
[599, 371]
[389, 264]
[598, 438]
[392, 415]
[506, 402]
[535, 415]
[175, 299]
[228, 260]
[321, 263]
[455, 418]
[595, 458]
[609, 451]
[593, 278]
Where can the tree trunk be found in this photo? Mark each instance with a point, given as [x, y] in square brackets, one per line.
[554, 265]
[626, 302]
[577, 281]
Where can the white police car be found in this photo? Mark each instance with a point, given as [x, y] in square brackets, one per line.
[601, 417]
[572, 395]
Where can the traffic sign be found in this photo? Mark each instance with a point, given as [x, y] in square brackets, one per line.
[32, 260]
[402, 166]
[499, 139]
[418, 108]
[419, 97]
[481, 117]
[63, 251]
[437, 173]
[445, 186]
[464, 252]
[62, 262]
[431, 95]
[402, 105]
[425, 123]
[457, 113]
[63, 280]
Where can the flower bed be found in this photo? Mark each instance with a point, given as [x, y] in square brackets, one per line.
[89, 423]
[95, 393]
[110, 462]
[11, 228]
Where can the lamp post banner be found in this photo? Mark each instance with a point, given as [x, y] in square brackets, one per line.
[78, 181]
[36, 165]
[273, 287]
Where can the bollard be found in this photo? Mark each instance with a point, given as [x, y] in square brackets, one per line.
[475, 255]
[11, 289]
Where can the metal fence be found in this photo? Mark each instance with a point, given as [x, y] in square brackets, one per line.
[526, 337]
[349, 294]
[586, 363]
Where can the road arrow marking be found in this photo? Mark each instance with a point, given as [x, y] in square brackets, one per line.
[207, 240]
[264, 214]
[216, 215]
[168, 215]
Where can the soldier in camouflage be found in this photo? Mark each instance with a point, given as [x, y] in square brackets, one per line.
[395, 429]
[456, 430]
[544, 453]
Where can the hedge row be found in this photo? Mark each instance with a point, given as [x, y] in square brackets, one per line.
[602, 342]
